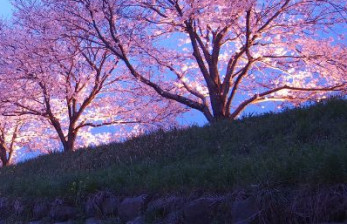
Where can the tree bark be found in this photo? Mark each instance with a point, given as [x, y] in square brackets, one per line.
[69, 144]
[3, 156]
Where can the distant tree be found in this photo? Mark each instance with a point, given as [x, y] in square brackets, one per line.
[22, 134]
[73, 85]
[9, 136]
[217, 57]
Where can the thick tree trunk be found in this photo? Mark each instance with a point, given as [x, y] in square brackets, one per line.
[220, 117]
[220, 112]
[69, 145]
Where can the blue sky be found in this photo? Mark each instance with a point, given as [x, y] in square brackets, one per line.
[5, 9]
[193, 117]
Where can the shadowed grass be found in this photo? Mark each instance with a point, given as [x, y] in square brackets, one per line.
[299, 146]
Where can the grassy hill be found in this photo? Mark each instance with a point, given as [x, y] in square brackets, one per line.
[303, 146]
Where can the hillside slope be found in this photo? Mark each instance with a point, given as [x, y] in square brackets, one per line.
[300, 146]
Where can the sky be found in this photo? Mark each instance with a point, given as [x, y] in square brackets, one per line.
[189, 118]
[5, 9]
[193, 117]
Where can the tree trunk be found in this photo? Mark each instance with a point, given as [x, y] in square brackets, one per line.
[220, 112]
[220, 117]
[3, 156]
[69, 145]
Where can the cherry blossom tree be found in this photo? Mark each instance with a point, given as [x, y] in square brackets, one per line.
[74, 85]
[20, 135]
[9, 131]
[217, 57]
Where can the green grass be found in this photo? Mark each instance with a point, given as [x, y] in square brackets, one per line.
[302, 146]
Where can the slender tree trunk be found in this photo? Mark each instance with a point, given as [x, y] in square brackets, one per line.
[3, 156]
